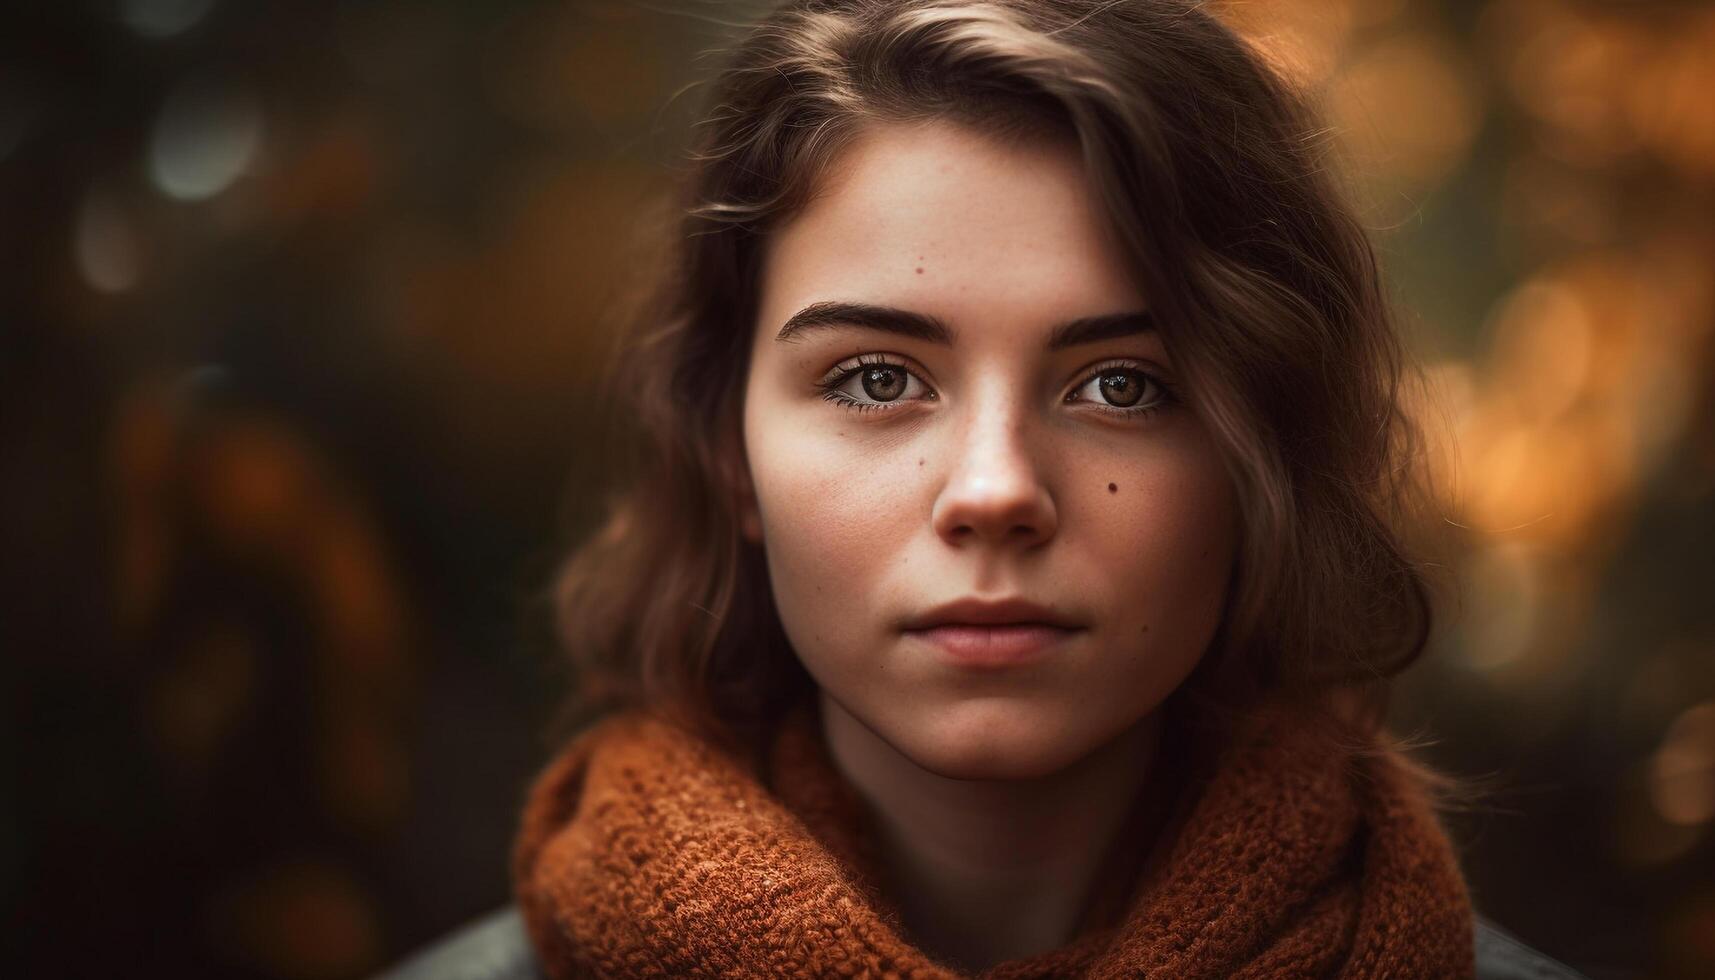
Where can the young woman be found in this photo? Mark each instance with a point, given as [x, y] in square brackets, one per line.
[1011, 577]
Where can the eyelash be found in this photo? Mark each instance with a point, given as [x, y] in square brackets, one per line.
[830, 386]
[1168, 397]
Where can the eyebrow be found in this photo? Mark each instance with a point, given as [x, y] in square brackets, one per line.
[922, 326]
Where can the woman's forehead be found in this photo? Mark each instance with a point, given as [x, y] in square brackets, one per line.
[934, 216]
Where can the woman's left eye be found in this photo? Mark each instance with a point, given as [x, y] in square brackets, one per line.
[874, 383]
[1124, 389]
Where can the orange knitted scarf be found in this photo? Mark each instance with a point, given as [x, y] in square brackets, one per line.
[646, 852]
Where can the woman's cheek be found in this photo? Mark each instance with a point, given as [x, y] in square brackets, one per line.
[829, 513]
[1158, 546]
[1188, 519]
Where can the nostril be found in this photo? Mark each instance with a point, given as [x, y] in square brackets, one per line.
[997, 504]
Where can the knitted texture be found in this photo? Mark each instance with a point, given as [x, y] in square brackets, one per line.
[646, 852]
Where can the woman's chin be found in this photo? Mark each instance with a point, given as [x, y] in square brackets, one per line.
[996, 740]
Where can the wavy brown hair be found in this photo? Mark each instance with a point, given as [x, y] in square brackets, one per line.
[1215, 176]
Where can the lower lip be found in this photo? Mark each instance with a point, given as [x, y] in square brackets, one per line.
[994, 646]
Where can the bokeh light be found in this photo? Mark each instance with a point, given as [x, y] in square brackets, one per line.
[163, 18]
[207, 135]
[107, 248]
[1682, 771]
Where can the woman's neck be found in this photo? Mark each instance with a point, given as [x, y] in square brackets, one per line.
[985, 871]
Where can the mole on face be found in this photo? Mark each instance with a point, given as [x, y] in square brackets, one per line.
[1113, 488]
[920, 462]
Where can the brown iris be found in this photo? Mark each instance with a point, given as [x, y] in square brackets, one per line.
[1122, 389]
[884, 384]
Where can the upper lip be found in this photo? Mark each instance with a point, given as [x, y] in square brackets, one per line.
[973, 611]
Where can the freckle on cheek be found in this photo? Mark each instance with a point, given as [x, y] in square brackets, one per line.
[1113, 488]
[919, 462]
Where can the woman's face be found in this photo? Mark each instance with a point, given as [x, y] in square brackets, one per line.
[955, 394]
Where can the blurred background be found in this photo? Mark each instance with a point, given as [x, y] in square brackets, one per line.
[303, 307]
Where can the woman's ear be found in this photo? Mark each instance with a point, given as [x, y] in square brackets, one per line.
[736, 484]
[749, 514]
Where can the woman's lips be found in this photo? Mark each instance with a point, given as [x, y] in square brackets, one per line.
[998, 645]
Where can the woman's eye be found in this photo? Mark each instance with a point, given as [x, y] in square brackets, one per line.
[874, 383]
[1123, 389]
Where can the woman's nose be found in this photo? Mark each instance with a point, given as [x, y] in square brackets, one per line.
[994, 490]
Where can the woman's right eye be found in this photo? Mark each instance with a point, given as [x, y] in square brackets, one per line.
[874, 383]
